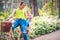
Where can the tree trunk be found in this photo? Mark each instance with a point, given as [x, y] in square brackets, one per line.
[31, 5]
[34, 7]
[59, 7]
[1, 5]
[56, 4]
[5, 6]
[52, 7]
[43, 2]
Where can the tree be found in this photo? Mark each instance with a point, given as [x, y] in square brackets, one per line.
[59, 7]
[34, 7]
[52, 1]
[5, 6]
[1, 5]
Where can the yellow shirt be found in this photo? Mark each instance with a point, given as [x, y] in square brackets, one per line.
[20, 14]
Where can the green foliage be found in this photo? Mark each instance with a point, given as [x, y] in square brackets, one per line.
[48, 9]
[43, 25]
[15, 33]
[3, 15]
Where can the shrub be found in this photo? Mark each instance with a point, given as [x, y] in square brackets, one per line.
[43, 25]
[4, 15]
[48, 9]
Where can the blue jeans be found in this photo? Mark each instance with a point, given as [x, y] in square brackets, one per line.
[23, 25]
[28, 20]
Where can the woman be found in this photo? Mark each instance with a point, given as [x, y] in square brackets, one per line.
[20, 20]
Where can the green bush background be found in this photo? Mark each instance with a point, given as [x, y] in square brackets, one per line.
[43, 25]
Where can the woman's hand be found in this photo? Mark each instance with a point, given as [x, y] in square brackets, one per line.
[7, 20]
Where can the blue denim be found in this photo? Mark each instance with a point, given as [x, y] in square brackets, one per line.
[23, 24]
[28, 20]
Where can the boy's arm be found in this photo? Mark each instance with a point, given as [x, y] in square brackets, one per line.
[11, 15]
[29, 15]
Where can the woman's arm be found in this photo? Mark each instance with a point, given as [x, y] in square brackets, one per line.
[11, 15]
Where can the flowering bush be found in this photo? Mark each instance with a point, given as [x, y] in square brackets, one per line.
[43, 25]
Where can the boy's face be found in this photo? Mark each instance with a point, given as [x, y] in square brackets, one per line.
[23, 5]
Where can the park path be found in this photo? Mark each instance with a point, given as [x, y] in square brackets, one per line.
[52, 36]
